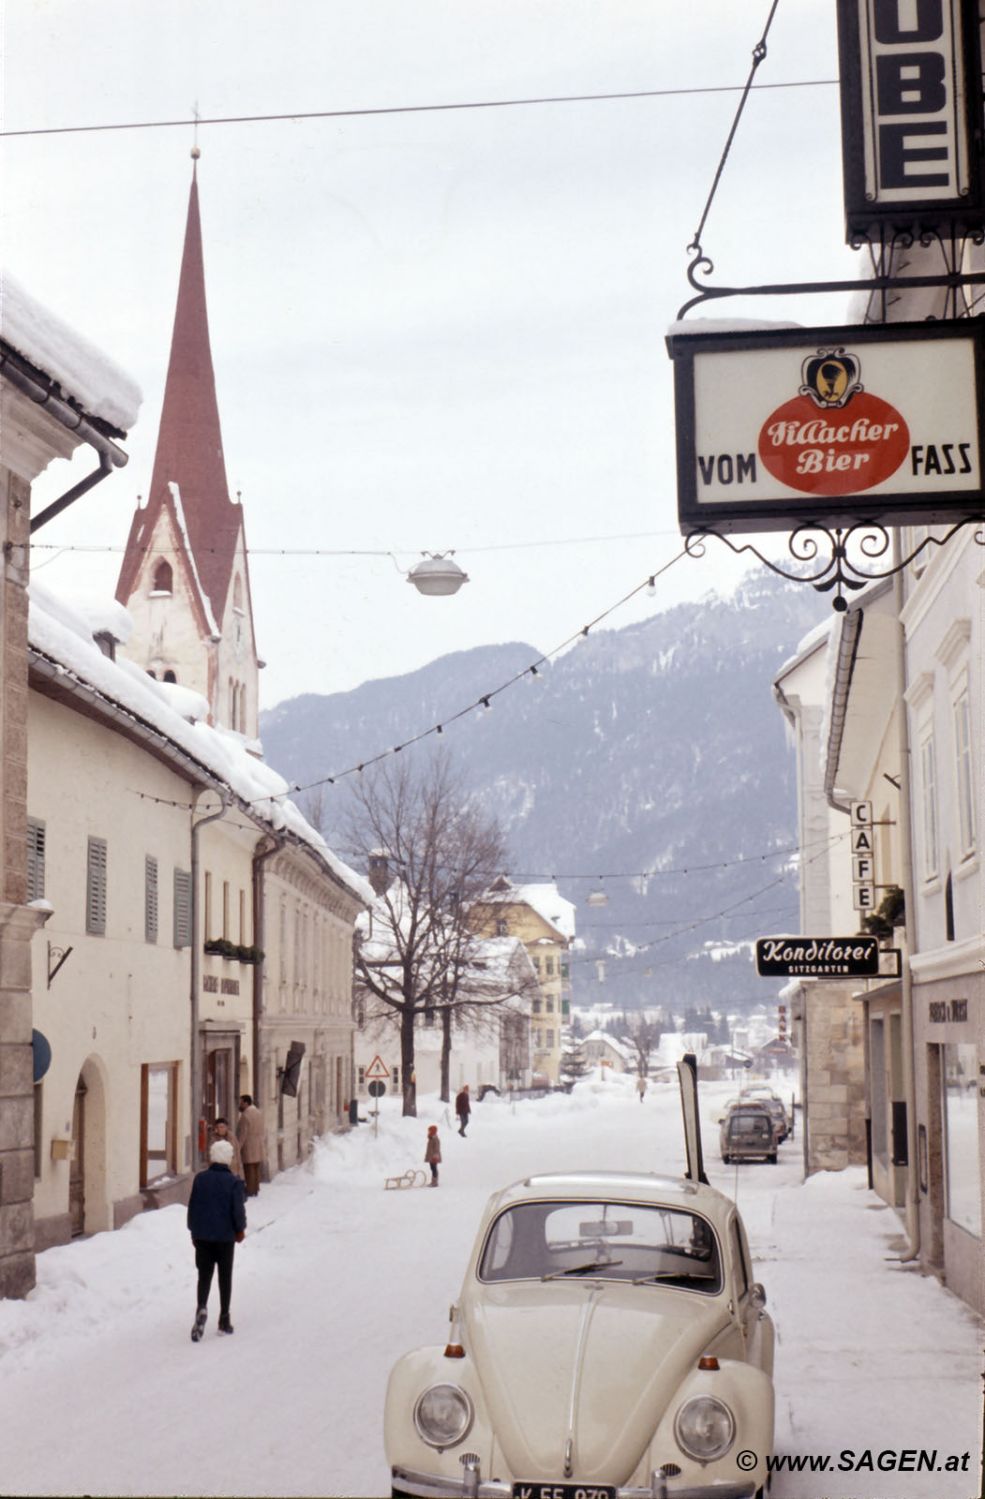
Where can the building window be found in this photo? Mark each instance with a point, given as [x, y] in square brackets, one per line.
[928, 779]
[549, 966]
[150, 899]
[182, 908]
[207, 906]
[535, 1007]
[961, 1136]
[35, 859]
[966, 787]
[502, 927]
[158, 1121]
[163, 581]
[242, 919]
[549, 1005]
[96, 887]
[225, 910]
[877, 1074]
[169, 676]
[550, 1039]
[395, 1080]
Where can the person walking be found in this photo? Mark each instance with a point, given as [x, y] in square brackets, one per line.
[432, 1153]
[249, 1133]
[217, 1223]
[641, 1086]
[463, 1107]
[221, 1131]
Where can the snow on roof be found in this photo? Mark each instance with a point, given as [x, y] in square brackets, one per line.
[61, 633]
[86, 375]
[549, 905]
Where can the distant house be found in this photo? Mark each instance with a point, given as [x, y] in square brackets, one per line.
[545, 923]
[603, 1050]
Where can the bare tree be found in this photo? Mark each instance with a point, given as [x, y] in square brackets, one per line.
[431, 853]
[644, 1036]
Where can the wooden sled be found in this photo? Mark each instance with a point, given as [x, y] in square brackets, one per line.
[410, 1178]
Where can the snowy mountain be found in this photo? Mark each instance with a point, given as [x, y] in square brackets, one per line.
[652, 748]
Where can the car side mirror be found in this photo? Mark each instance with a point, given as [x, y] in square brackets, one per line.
[757, 1296]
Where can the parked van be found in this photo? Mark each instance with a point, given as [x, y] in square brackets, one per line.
[748, 1134]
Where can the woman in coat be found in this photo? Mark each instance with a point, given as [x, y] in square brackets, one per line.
[432, 1153]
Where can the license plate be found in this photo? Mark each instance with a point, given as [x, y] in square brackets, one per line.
[564, 1491]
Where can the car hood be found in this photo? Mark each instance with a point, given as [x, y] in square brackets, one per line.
[592, 1363]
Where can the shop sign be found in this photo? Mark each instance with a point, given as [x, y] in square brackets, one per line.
[783, 428]
[817, 957]
[910, 91]
[945, 1011]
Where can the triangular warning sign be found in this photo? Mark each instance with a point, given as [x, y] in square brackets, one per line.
[376, 1071]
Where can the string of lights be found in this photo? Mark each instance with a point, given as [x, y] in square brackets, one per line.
[195, 122]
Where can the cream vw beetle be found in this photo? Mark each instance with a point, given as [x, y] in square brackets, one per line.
[608, 1343]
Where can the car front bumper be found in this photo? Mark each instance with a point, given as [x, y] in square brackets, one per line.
[473, 1486]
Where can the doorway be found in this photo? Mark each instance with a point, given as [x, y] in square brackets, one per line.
[77, 1165]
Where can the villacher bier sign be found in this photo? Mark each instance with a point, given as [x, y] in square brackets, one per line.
[781, 428]
[817, 957]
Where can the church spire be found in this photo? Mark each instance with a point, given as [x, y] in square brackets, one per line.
[189, 442]
[185, 572]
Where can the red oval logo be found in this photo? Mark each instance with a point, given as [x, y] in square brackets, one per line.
[834, 452]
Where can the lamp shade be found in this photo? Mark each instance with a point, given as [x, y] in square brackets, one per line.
[436, 575]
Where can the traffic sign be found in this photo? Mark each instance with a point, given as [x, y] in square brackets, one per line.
[377, 1089]
[377, 1071]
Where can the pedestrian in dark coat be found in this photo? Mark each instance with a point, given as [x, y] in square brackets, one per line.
[432, 1153]
[249, 1133]
[217, 1223]
[463, 1107]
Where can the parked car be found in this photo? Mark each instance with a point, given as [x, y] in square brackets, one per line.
[748, 1134]
[608, 1341]
[777, 1112]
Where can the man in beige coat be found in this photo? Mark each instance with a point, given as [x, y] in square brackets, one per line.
[249, 1133]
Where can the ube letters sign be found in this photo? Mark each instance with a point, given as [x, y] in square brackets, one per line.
[779, 428]
[910, 94]
[817, 957]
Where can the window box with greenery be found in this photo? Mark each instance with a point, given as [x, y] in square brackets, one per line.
[232, 952]
[888, 915]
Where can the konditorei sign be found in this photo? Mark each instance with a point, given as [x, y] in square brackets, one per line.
[780, 428]
[911, 117]
[817, 957]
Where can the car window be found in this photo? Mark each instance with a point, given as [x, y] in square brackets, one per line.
[752, 1125]
[633, 1242]
[739, 1259]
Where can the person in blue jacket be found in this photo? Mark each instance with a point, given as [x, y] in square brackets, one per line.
[217, 1223]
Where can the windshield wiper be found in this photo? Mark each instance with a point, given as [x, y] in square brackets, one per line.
[641, 1280]
[581, 1269]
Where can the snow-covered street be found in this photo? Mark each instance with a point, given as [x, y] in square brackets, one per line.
[103, 1392]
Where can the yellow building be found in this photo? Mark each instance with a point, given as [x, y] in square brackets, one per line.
[545, 923]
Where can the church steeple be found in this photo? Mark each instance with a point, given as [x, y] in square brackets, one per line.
[189, 536]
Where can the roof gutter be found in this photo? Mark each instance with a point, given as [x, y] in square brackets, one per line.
[33, 384]
[851, 634]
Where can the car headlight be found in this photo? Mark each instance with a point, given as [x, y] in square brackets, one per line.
[705, 1428]
[443, 1415]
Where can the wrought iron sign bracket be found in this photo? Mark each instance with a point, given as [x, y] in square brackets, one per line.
[701, 265]
[838, 571]
[58, 955]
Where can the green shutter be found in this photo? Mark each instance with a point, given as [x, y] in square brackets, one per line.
[150, 899]
[182, 908]
[35, 859]
[96, 887]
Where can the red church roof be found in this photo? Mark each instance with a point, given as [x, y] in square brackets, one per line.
[189, 442]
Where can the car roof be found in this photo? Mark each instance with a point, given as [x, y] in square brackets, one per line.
[594, 1186]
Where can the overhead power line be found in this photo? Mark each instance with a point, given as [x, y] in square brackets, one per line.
[410, 109]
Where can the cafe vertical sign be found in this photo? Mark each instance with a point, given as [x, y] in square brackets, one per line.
[911, 107]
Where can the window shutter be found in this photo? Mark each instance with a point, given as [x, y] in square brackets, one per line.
[182, 908]
[150, 899]
[35, 859]
[96, 888]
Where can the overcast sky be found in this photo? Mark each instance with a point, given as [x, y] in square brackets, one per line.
[430, 330]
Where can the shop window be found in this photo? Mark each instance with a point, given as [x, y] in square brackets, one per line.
[961, 1145]
[158, 1121]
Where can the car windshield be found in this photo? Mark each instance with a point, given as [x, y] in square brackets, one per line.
[626, 1241]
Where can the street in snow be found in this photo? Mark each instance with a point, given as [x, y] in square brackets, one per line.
[104, 1393]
